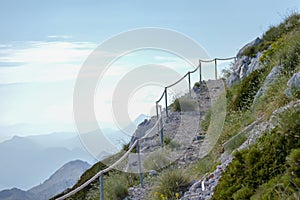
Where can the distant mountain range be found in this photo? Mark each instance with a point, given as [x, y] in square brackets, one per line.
[62, 179]
[28, 161]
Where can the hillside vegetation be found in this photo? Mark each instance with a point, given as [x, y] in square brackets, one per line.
[268, 168]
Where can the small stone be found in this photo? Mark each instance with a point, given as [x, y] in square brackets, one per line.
[210, 176]
[195, 186]
[199, 190]
[153, 173]
[187, 193]
[130, 190]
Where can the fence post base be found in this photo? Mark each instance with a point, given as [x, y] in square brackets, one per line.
[139, 163]
[101, 187]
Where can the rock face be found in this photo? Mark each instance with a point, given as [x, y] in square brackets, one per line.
[271, 78]
[244, 65]
[294, 86]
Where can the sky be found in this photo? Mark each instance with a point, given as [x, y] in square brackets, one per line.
[43, 45]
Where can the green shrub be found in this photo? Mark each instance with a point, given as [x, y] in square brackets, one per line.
[184, 104]
[116, 185]
[293, 160]
[167, 140]
[176, 105]
[170, 184]
[241, 96]
[197, 84]
[264, 160]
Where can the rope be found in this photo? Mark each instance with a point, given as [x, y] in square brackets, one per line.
[194, 70]
[177, 81]
[216, 59]
[160, 98]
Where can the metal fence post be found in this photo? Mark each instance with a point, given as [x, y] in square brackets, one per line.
[216, 69]
[190, 90]
[166, 99]
[161, 130]
[157, 116]
[101, 186]
[139, 163]
[200, 72]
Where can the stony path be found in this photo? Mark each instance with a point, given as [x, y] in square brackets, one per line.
[185, 125]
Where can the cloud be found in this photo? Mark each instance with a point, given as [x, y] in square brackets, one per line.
[60, 36]
[38, 77]
[11, 64]
[60, 113]
[40, 61]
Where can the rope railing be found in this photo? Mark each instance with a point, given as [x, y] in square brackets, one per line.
[159, 124]
[222, 59]
[165, 93]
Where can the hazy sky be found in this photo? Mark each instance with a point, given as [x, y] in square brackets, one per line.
[44, 43]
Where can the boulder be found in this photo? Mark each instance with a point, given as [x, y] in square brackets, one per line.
[242, 68]
[293, 84]
[271, 78]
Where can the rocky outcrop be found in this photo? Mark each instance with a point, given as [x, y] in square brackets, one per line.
[244, 65]
[250, 44]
